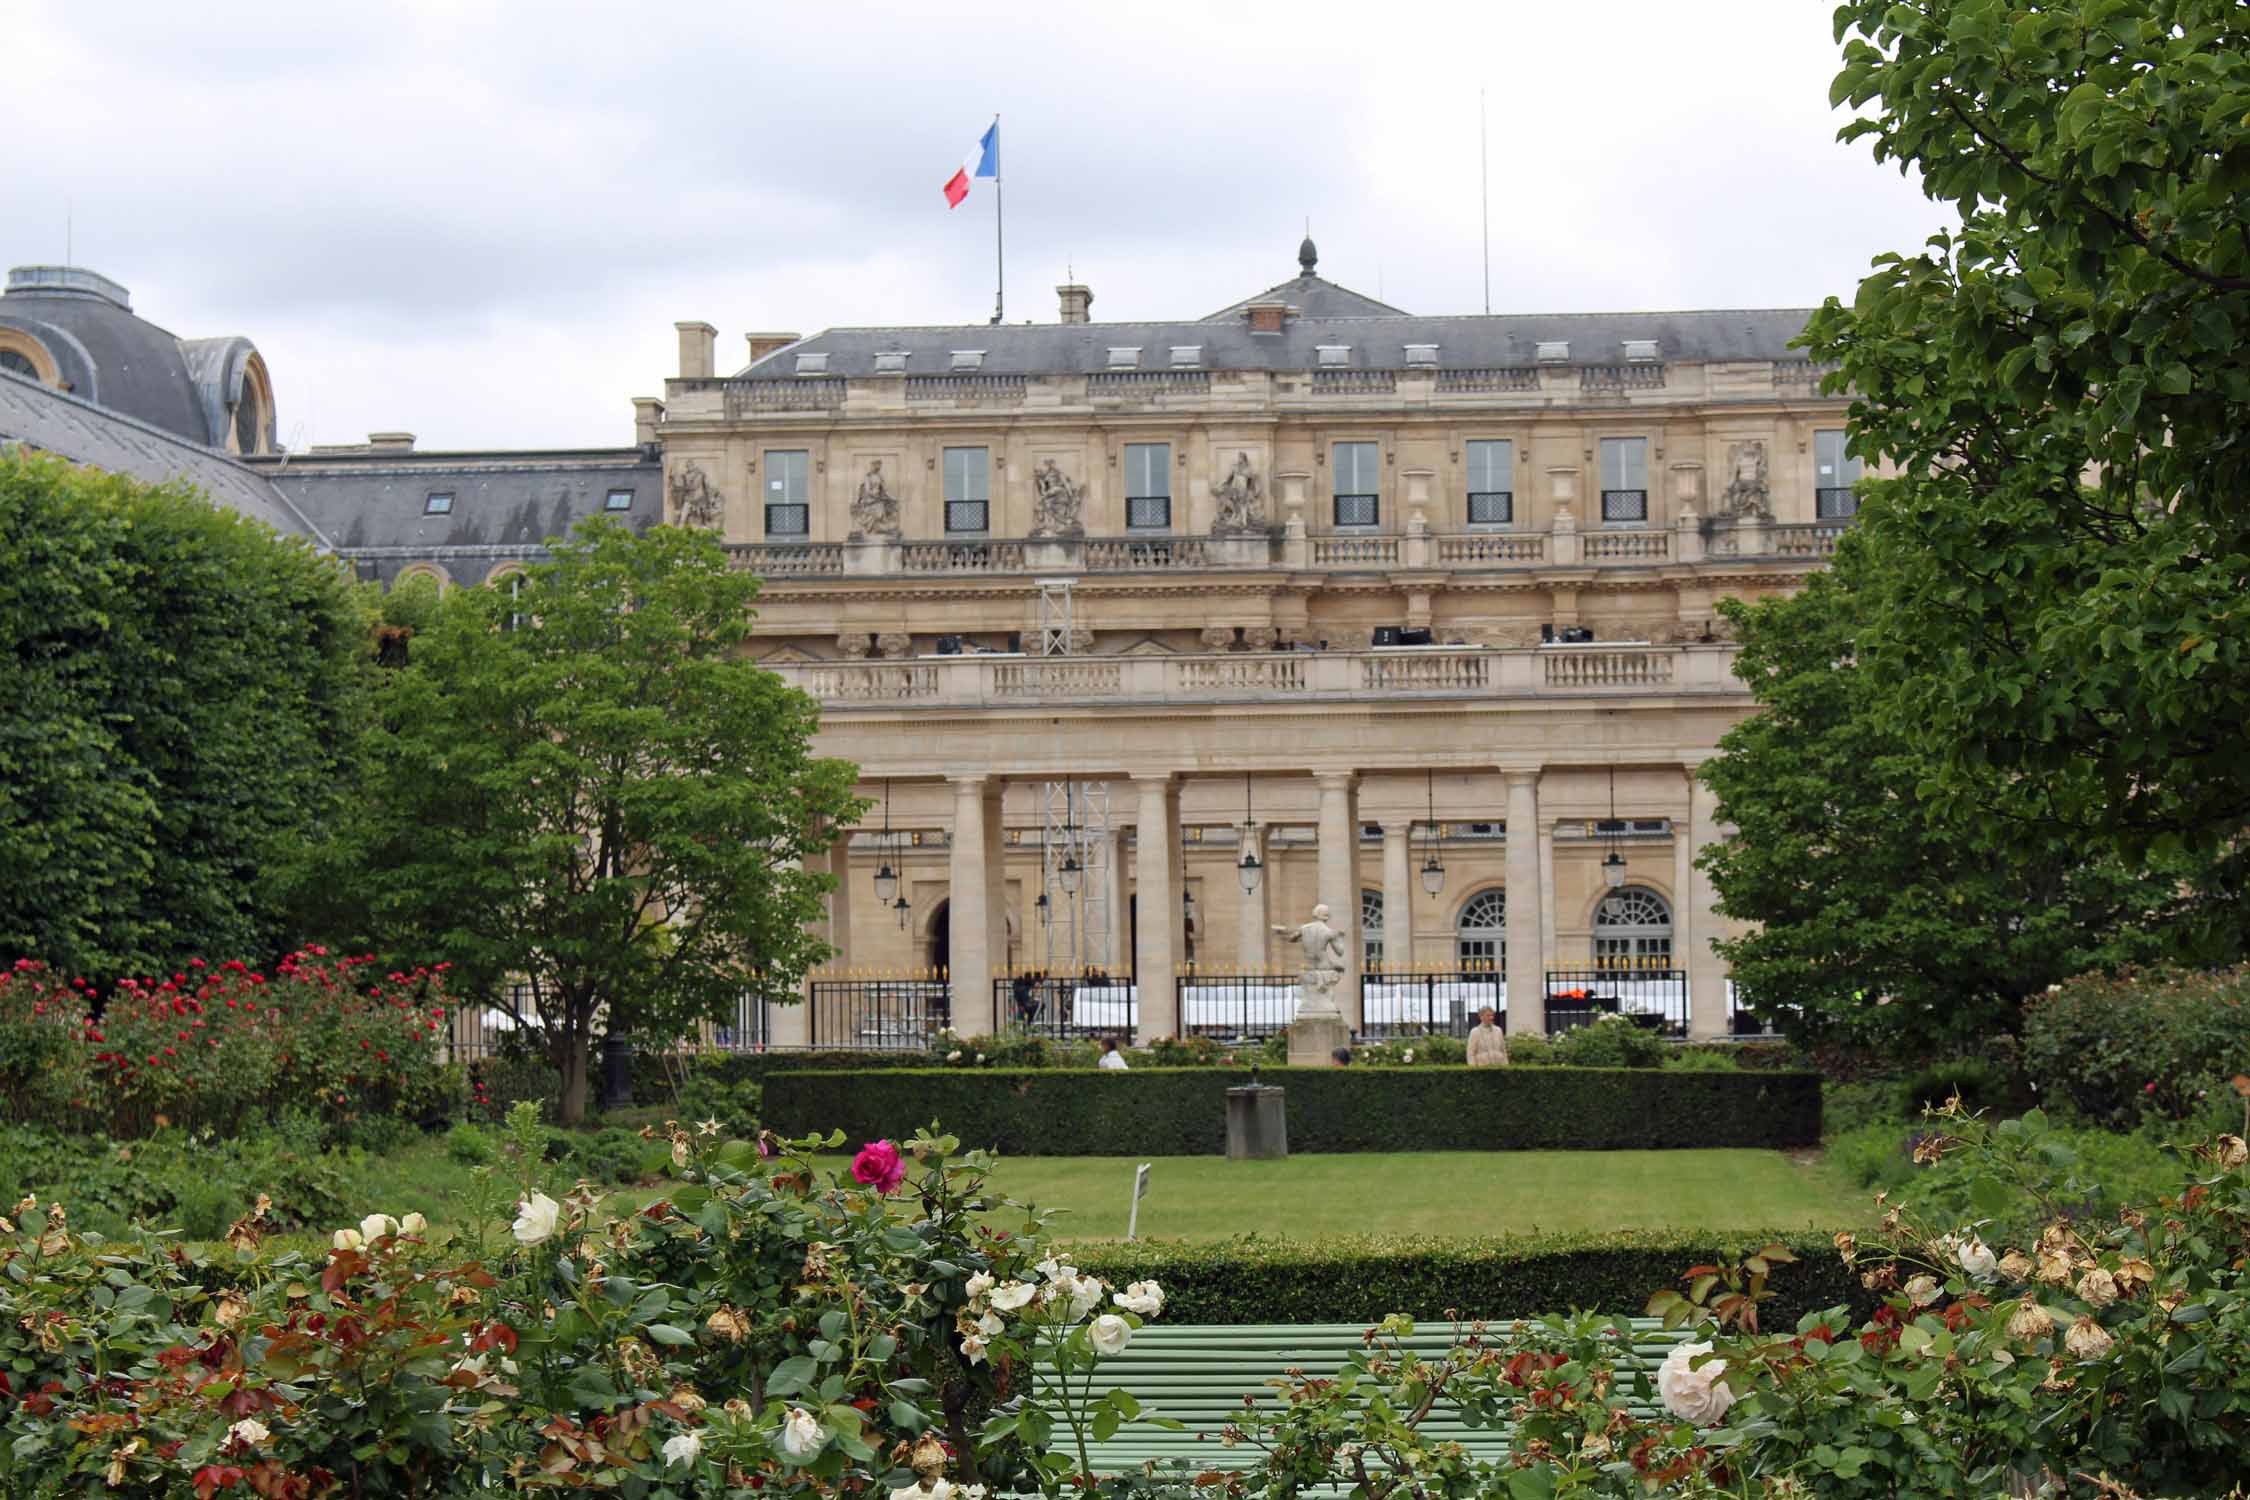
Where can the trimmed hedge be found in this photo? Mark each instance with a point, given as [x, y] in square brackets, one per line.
[1250, 1281]
[1182, 1111]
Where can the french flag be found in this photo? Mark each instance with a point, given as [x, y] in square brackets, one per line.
[984, 161]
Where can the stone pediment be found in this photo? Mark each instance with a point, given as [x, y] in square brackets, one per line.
[1148, 646]
[787, 656]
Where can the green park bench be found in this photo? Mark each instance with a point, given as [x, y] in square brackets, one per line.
[1197, 1375]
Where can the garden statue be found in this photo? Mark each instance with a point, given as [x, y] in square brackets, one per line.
[1323, 948]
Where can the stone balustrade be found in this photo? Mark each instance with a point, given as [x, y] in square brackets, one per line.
[979, 681]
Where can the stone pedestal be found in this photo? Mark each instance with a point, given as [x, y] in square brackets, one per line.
[1054, 554]
[1313, 1040]
[1239, 550]
[871, 554]
[1257, 1123]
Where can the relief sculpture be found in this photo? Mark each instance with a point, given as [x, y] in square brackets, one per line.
[874, 508]
[1241, 500]
[1055, 503]
[1746, 493]
[696, 501]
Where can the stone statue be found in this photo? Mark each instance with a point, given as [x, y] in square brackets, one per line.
[695, 499]
[874, 508]
[1054, 510]
[1323, 948]
[1746, 493]
[1241, 499]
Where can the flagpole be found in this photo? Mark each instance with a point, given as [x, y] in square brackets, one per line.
[999, 233]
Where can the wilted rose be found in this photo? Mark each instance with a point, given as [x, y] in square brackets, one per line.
[801, 1436]
[2017, 1266]
[683, 1449]
[977, 1285]
[2030, 1321]
[2087, 1339]
[1976, 1257]
[2098, 1287]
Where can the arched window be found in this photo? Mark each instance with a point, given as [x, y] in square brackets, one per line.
[1480, 937]
[21, 354]
[1370, 929]
[1633, 926]
[16, 362]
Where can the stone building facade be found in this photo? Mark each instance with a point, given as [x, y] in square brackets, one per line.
[1352, 591]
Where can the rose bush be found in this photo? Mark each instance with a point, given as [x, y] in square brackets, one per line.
[221, 1046]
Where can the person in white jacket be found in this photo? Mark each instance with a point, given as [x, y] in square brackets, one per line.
[1488, 1044]
[1111, 1058]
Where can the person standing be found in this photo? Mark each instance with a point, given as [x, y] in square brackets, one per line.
[1488, 1044]
[1111, 1058]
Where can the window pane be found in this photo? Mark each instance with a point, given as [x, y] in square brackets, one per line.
[1492, 509]
[965, 471]
[1624, 463]
[1148, 512]
[1148, 469]
[786, 479]
[1356, 469]
[1833, 468]
[1356, 510]
[1624, 505]
[1492, 467]
[788, 520]
[965, 515]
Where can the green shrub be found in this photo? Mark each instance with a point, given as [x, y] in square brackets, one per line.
[1413, 1052]
[470, 1145]
[198, 1184]
[1611, 1042]
[1982, 1087]
[1181, 1111]
[1703, 1060]
[1254, 1280]
[513, 1076]
[2114, 1049]
[1531, 1051]
[1847, 1106]
[708, 1092]
[613, 1155]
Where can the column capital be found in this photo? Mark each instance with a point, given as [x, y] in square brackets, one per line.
[1153, 778]
[965, 780]
[1522, 775]
[1335, 781]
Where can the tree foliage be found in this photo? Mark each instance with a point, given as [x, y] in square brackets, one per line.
[588, 792]
[1884, 918]
[2063, 621]
[178, 699]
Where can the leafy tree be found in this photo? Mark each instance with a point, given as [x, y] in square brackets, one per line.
[1884, 920]
[589, 793]
[178, 699]
[2063, 620]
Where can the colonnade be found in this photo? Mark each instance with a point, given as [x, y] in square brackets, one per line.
[976, 895]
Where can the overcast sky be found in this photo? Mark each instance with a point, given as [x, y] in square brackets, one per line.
[479, 221]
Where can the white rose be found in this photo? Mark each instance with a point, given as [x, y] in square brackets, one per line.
[413, 1224]
[1694, 1394]
[954, 1055]
[249, 1432]
[683, 1449]
[968, 1492]
[978, 1285]
[1109, 1334]
[1085, 1295]
[1055, 1270]
[347, 1239]
[990, 1325]
[801, 1436]
[1410, 1054]
[940, 1489]
[972, 1349]
[375, 1226]
[536, 1219]
[1010, 1295]
[1976, 1258]
[1922, 1290]
[1143, 1297]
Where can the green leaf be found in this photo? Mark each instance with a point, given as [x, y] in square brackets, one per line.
[669, 1335]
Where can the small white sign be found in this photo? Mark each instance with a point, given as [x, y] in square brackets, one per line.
[1140, 1191]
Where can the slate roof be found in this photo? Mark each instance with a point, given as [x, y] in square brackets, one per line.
[63, 423]
[114, 359]
[1470, 342]
[505, 505]
[1314, 297]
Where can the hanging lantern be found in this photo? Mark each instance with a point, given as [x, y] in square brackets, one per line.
[1248, 869]
[1433, 869]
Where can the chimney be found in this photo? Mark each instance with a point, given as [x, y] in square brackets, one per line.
[763, 344]
[390, 442]
[647, 412]
[1266, 317]
[699, 345]
[1077, 302]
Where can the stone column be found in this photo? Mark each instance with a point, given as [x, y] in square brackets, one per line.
[1526, 968]
[1707, 972]
[1119, 933]
[1339, 878]
[1156, 952]
[1398, 895]
[1250, 954]
[969, 908]
[996, 891]
[840, 899]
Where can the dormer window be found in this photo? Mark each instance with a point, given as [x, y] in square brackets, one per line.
[813, 364]
[1640, 351]
[1333, 355]
[1421, 356]
[1187, 356]
[968, 359]
[1122, 358]
[618, 500]
[439, 503]
[1554, 351]
[890, 362]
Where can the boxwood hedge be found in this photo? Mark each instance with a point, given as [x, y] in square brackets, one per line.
[1182, 1111]
[1252, 1280]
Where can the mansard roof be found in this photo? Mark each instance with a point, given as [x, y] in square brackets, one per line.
[1473, 342]
[1313, 297]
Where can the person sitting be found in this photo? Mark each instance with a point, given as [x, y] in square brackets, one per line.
[1488, 1044]
[1111, 1058]
[1341, 1057]
[1026, 993]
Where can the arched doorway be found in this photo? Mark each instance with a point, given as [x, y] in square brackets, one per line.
[941, 938]
[1371, 931]
[1480, 933]
[1633, 926]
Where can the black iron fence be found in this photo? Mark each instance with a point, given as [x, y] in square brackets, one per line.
[1655, 998]
[1746, 1020]
[1068, 1009]
[877, 1015]
[1434, 1002]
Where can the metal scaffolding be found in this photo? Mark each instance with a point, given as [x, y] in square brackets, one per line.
[1074, 839]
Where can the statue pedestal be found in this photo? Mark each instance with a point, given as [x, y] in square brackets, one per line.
[1250, 549]
[1313, 1040]
[871, 554]
[1054, 553]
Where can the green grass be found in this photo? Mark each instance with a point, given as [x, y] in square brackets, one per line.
[1438, 1194]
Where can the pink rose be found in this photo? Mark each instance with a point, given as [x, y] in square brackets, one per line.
[878, 1166]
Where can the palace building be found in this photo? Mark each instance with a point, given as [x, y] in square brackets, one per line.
[1149, 636]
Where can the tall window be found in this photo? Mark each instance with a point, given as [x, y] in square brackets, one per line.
[1359, 468]
[1835, 477]
[1624, 480]
[1370, 930]
[788, 493]
[968, 490]
[1480, 937]
[1148, 486]
[1492, 483]
[1634, 927]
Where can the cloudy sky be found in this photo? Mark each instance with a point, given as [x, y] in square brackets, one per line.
[479, 221]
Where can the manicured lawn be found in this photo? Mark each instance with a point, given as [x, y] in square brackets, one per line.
[1438, 1194]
